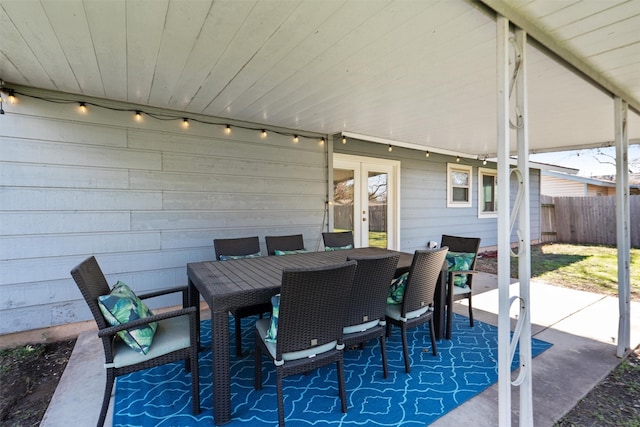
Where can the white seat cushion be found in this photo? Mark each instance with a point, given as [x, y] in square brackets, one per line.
[172, 334]
[394, 312]
[361, 327]
[457, 290]
[262, 325]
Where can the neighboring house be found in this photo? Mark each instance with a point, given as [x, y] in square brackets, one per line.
[148, 197]
[558, 184]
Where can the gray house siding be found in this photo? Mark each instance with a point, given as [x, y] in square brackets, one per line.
[147, 198]
[423, 197]
[144, 198]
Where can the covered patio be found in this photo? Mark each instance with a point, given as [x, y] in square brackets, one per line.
[141, 137]
[581, 356]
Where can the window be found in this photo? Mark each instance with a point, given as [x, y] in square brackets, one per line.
[458, 186]
[487, 192]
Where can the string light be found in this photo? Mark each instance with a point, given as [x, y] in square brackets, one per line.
[458, 159]
[344, 139]
[138, 114]
[295, 139]
[484, 162]
[11, 98]
[427, 154]
[390, 148]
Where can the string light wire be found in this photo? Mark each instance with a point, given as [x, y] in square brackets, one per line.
[183, 120]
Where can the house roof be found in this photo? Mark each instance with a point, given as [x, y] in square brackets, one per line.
[419, 73]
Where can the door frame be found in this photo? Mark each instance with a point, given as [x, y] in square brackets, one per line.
[363, 163]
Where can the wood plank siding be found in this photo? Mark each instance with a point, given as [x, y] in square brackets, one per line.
[144, 198]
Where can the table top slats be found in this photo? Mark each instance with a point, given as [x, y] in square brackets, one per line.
[234, 283]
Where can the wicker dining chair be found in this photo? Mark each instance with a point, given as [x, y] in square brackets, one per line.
[174, 340]
[417, 303]
[365, 318]
[293, 242]
[338, 240]
[454, 292]
[312, 305]
[239, 248]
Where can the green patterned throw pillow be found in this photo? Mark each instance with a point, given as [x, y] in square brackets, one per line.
[460, 261]
[337, 248]
[228, 257]
[272, 332]
[396, 291]
[297, 251]
[122, 306]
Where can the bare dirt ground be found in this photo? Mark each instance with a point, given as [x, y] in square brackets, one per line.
[30, 374]
[28, 377]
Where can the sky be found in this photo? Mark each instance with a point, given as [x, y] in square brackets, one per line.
[590, 162]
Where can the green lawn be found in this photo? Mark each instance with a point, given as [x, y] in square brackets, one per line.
[592, 268]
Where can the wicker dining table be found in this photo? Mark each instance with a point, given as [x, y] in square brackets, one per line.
[225, 285]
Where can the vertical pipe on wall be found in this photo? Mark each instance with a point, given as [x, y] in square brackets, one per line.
[622, 224]
[504, 327]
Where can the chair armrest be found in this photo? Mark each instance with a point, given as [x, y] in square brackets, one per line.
[183, 289]
[458, 273]
[112, 330]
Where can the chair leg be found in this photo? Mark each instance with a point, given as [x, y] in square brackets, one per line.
[280, 397]
[238, 337]
[388, 329]
[434, 350]
[383, 350]
[470, 312]
[107, 396]
[195, 380]
[405, 348]
[341, 386]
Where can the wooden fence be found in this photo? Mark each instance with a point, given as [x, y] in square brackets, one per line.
[343, 217]
[589, 220]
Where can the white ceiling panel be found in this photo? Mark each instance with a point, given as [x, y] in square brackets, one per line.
[419, 72]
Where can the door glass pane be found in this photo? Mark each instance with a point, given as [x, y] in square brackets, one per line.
[343, 199]
[377, 190]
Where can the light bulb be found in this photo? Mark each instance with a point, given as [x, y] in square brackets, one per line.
[295, 139]
[138, 116]
[322, 141]
[458, 159]
[344, 139]
[12, 98]
[426, 154]
[390, 148]
[227, 130]
[484, 162]
[83, 108]
[264, 133]
[185, 123]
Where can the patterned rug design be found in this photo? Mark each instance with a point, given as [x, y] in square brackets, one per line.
[464, 367]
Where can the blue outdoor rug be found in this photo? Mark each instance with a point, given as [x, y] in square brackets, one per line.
[464, 367]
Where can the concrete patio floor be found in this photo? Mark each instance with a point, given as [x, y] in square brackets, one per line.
[582, 327]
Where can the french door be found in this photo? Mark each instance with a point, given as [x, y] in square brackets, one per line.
[366, 199]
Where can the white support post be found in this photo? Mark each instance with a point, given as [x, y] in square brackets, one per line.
[622, 225]
[504, 327]
[524, 235]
